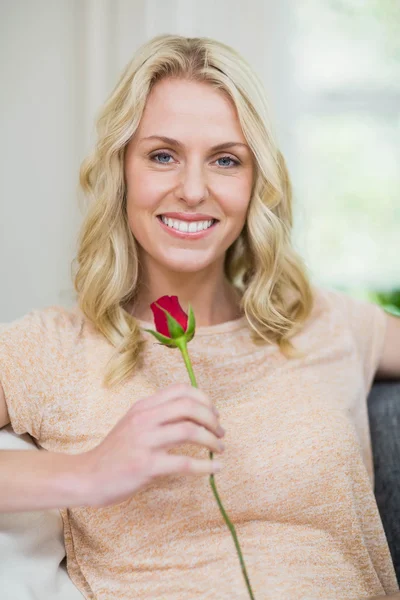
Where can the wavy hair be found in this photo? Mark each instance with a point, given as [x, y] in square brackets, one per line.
[275, 291]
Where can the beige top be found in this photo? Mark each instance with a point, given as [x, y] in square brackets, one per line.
[298, 476]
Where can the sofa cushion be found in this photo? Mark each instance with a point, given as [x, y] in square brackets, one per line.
[32, 548]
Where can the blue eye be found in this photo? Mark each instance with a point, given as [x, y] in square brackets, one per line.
[235, 162]
[161, 154]
[155, 158]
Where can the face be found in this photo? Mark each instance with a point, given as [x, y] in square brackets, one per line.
[188, 176]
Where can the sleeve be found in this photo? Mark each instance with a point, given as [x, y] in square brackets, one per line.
[29, 354]
[367, 324]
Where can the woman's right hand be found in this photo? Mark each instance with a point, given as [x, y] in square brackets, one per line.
[134, 453]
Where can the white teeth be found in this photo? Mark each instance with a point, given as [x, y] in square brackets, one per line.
[185, 226]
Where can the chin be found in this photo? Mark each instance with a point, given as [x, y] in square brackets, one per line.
[185, 267]
[186, 263]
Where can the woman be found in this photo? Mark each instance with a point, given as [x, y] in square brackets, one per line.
[190, 197]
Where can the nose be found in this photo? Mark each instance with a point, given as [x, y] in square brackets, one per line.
[192, 187]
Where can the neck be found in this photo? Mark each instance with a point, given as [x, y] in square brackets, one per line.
[213, 299]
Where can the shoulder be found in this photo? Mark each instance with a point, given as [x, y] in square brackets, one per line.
[329, 307]
[329, 298]
[37, 352]
[337, 313]
[51, 326]
[352, 309]
[360, 320]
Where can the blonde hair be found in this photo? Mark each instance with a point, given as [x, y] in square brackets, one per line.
[276, 295]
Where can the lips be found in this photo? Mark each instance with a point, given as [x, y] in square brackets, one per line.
[179, 216]
[187, 234]
[160, 218]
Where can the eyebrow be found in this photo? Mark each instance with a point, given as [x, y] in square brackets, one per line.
[172, 142]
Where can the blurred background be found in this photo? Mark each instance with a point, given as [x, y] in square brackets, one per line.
[331, 70]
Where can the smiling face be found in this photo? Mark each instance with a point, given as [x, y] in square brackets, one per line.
[189, 175]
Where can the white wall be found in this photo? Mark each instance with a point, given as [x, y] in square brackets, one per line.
[40, 125]
[59, 60]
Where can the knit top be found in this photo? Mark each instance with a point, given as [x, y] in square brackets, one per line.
[297, 481]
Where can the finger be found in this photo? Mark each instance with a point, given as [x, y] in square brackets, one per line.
[168, 464]
[189, 410]
[178, 433]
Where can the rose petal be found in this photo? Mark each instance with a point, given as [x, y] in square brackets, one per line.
[170, 304]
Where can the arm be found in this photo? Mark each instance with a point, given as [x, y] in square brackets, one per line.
[39, 480]
[389, 364]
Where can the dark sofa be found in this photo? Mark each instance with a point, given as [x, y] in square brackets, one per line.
[384, 418]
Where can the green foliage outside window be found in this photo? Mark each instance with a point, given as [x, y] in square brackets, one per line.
[390, 301]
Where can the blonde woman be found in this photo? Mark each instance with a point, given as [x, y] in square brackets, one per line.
[189, 196]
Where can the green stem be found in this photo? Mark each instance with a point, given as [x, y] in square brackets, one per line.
[186, 358]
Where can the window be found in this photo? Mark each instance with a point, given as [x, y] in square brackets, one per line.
[346, 56]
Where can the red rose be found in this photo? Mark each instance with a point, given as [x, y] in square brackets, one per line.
[174, 328]
[172, 306]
